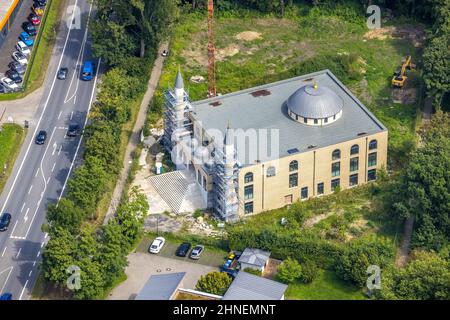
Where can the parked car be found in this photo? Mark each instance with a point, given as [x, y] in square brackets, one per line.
[23, 48]
[62, 73]
[157, 245]
[20, 57]
[196, 252]
[14, 76]
[5, 220]
[73, 130]
[6, 296]
[41, 137]
[183, 249]
[9, 84]
[29, 28]
[25, 37]
[37, 9]
[3, 89]
[16, 66]
[87, 72]
[41, 3]
[34, 19]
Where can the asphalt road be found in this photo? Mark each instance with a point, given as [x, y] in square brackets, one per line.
[40, 173]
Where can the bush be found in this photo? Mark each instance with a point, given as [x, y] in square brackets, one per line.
[309, 272]
[289, 271]
[358, 255]
[214, 282]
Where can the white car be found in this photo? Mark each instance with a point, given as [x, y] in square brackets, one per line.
[8, 83]
[157, 245]
[23, 48]
[20, 57]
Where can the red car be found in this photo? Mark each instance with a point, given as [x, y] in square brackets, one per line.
[34, 19]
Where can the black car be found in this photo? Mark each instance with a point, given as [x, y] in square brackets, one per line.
[18, 67]
[62, 73]
[14, 76]
[29, 28]
[41, 137]
[73, 130]
[183, 249]
[40, 3]
[5, 220]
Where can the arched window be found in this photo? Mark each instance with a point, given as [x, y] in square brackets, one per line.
[336, 154]
[354, 149]
[248, 177]
[373, 144]
[271, 171]
[293, 166]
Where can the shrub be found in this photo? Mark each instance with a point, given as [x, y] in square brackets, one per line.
[289, 271]
[309, 272]
[214, 282]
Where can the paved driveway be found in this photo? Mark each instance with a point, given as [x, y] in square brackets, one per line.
[143, 265]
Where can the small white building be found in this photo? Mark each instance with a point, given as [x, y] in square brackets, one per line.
[254, 258]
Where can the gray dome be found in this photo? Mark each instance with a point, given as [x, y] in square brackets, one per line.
[314, 102]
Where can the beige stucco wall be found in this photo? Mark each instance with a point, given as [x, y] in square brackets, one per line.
[314, 167]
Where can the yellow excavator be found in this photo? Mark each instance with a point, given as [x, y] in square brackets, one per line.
[400, 77]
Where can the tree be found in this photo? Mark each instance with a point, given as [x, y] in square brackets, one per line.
[309, 272]
[426, 277]
[65, 215]
[59, 255]
[214, 282]
[289, 271]
[424, 188]
[358, 255]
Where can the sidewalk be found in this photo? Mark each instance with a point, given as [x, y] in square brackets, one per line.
[135, 136]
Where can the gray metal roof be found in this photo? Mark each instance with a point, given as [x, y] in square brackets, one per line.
[255, 257]
[161, 286]
[316, 102]
[269, 111]
[179, 83]
[247, 286]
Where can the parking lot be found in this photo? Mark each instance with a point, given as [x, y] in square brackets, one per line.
[210, 257]
[8, 46]
[143, 265]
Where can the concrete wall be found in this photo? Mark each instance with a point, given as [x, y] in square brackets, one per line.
[314, 167]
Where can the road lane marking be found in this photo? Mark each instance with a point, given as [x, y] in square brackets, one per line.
[37, 172]
[45, 235]
[29, 275]
[18, 253]
[4, 250]
[23, 206]
[60, 148]
[71, 114]
[78, 64]
[38, 254]
[30, 189]
[55, 145]
[43, 111]
[23, 290]
[34, 263]
[59, 115]
[7, 278]
[26, 215]
[81, 136]
[48, 179]
[15, 225]
[53, 168]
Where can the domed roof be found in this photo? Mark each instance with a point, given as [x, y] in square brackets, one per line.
[316, 102]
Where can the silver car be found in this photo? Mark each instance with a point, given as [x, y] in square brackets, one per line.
[196, 252]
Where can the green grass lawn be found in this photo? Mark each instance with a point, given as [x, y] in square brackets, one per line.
[327, 286]
[11, 138]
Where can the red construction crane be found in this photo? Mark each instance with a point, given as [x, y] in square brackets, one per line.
[212, 90]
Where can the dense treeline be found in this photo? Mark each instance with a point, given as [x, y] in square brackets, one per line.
[78, 248]
[423, 190]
